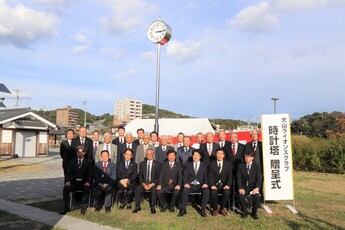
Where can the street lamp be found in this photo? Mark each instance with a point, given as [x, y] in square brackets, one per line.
[275, 99]
[85, 104]
[159, 33]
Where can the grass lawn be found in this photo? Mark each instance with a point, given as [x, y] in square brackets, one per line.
[319, 199]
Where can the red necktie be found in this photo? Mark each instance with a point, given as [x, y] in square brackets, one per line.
[82, 141]
[233, 150]
[104, 167]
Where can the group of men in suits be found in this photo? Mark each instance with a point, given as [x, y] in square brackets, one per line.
[144, 167]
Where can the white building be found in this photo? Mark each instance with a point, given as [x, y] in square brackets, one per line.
[127, 110]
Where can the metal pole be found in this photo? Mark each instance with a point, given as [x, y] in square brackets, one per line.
[275, 108]
[157, 86]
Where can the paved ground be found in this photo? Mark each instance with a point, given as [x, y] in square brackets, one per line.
[42, 183]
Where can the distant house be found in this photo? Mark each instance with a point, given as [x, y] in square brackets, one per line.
[23, 133]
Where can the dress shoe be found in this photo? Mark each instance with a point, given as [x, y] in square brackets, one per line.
[244, 216]
[153, 210]
[203, 213]
[215, 213]
[107, 209]
[122, 206]
[182, 212]
[137, 209]
[164, 208]
[63, 212]
[129, 206]
[255, 217]
[98, 208]
[223, 212]
[171, 208]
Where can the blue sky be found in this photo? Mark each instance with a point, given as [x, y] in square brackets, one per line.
[226, 59]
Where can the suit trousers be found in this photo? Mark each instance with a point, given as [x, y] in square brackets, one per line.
[152, 199]
[244, 204]
[214, 197]
[162, 195]
[76, 186]
[108, 192]
[129, 193]
[205, 192]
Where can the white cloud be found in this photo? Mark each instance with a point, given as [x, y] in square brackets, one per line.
[264, 53]
[255, 18]
[22, 26]
[147, 56]
[53, 2]
[84, 46]
[192, 5]
[290, 5]
[123, 74]
[126, 15]
[185, 50]
[114, 52]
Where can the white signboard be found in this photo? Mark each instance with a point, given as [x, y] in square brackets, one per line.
[277, 157]
[43, 138]
[6, 136]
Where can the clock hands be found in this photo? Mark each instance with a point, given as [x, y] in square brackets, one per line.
[159, 31]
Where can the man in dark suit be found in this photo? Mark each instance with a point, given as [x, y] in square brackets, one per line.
[83, 141]
[126, 175]
[127, 145]
[79, 177]
[96, 142]
[236, 155]
[255, 146]
[105, 176]
[184, 153]
[195, 180]
[121, 138]
[170, 180]
[225, 144]
[66, 151]
[162, 149]
[249, 181]
[141, 149]
[148, 179]
[208, 149]
[220, 181]
[140, 134]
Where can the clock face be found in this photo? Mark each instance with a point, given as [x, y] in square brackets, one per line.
[157, 31]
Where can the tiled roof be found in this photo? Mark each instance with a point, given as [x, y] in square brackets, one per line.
[8, 113]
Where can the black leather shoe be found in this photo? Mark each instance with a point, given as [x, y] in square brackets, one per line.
[98, 208]
[171, 208]
[129, 206]
[203, 213]
[164, 208]
[137, 209]
[107, 209]
[63, 212]
[182, 212]
[83, 210]
[153, 210]
[255, 217]
[244, 216]
[122, 206]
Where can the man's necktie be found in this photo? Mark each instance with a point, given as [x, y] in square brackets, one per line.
[233, 150]
[128, 146]
[69, 142]
[219, 168]
[254, 146]
[248, 168]
[164, 148]
[221, 145]
[82, 142]
[107, 147]
[186, 149]
[94, 150]
[145, 148]
[79, 163]
[127, 164]
[121, 141]
[195, 168]
[148, 174]
[104, 167]
[209, 149]
[171, 166]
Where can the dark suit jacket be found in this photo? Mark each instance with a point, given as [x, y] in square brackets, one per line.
[84, 172]
[166, 174]
[161, 155]
[116, 141]
[205, 157]
[121, 149]
[189, 174]
[183, 157]
[238, 158]
[67, 153]
[258, 153]
[254, 178]
[107, 177]
[225, 176]
[88, 146]
[137, 142]
[131, 173]
[155, 169]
